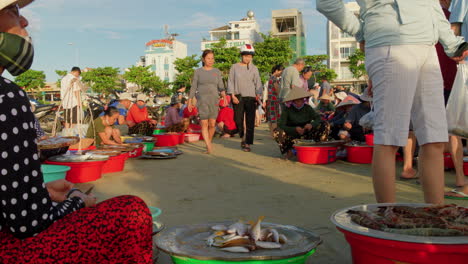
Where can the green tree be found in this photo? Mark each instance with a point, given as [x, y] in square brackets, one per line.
[103, 79]
[61, 74]
[328, 74]
[31, 80]
[185, 68]
[225, 57]
[357, 66]
[271, 52]
[141, 76]
[317, 63]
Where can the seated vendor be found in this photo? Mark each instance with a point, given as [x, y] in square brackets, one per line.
[123, 105]
[351, 124]
[299, 120]
[225, 121]
[174, 122]
[102, 129]
[138, 120]
[326, 107]
[342, 112]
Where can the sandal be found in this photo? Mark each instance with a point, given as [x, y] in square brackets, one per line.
[459, 195]
[243, 144]
[246, 148]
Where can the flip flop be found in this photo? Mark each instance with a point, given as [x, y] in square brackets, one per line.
[464, 196]
[246, 149]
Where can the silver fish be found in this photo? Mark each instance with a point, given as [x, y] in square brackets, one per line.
[256, 230]
[283, 239]
[238, 228]
[274, 235]
[219, 228]
[267, 245]
[264, 235]
[236, 249]
[227, 237]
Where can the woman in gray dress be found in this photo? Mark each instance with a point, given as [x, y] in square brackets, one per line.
[207, 85]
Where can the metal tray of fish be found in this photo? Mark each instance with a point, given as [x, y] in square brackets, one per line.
[343, 220]
[144, 156]
[190, 241]
[78, 158]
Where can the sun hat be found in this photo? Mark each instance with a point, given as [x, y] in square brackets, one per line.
[125, 96]
[297, 93]
[341, 95]
[175, 99]
[142, 97]
[326, 97]
[349, 100]
[21, 3]
[365, 96]
[316, 84]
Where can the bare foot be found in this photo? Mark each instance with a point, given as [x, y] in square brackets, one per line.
[461, 184]
[288, 155]
[226, 136]
[409, 174]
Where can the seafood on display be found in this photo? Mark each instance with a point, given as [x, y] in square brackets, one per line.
[243, 237]
[439, 220]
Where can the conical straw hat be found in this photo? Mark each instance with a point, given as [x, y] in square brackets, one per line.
[296, 93]
[349, 100]
[326, 97]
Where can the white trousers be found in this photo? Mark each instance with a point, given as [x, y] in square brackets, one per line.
[407, 85]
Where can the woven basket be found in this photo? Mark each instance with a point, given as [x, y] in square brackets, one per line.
[68, 143]
[85, 143]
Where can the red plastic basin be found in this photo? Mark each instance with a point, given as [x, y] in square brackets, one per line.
[115, 163]
[369, 139]
[81, 172]
[366, 250]
[316, 155]
[167, 140]
[465, 167]
[360, 154]
[448, 161]
[137, 152]
[181, 138]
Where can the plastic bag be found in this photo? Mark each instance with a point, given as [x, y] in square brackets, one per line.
[457, 105]
[367, 121]
[75, 131]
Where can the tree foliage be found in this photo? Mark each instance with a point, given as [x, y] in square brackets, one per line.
[61, 74]
[357, 66]
[103, 80]
[185, 68]
[31, 80]
[271, 52]
[146, 80]
[225, 57]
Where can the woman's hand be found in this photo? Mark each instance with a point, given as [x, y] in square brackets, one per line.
[300, 130]
[235, 100]
[88, 199]
[347, 126]
[58, 190]
[308, 127]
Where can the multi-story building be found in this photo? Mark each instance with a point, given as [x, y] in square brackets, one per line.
[340, 46]
[287, 24]
[160, 54]
[236, 33]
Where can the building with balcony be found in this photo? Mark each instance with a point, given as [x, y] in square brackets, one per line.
[160, 54]
[236, 33]
[287, 24]
[340, 46]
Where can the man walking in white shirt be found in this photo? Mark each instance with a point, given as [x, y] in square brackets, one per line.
[70, 96]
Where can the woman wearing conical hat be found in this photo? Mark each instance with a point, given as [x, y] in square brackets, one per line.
[299, 120]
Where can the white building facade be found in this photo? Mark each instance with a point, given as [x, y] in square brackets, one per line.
[161, 54]
[340, 46]
[236, 33]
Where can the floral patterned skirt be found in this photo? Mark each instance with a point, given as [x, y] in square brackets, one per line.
[286, 142]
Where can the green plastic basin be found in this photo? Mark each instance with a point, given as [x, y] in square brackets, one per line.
[159, 131]
[295, 260]
[155, 212]
[149, 146]
[54, 172]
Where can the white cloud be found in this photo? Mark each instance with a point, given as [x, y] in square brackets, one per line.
[202, 20]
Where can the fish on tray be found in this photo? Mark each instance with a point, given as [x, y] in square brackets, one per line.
[243, 237]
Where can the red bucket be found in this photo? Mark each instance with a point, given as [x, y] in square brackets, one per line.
[81, 172]
[367, 250]
[448, 161]
[316, 155]
[465, 166]
[360, 154]
[167, 140]
[181, 138]
[115, 163]
[369, 139]
[137, 152]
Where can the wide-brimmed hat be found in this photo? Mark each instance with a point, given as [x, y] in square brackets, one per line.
[21, 3]
[341, 95]
[365, 96]
[326, 97]
[142, 97]
[125, 96]
[349, 100]
[297, 93]
[175, 99]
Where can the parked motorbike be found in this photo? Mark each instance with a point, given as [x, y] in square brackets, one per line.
[45, 114]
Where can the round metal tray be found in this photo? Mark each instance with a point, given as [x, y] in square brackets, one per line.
[342, 220]
[57, 159]
[190, 241]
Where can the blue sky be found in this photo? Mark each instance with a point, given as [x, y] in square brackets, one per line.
[114, 32]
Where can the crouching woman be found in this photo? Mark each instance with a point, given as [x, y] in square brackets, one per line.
[299, 121]
[102, 129]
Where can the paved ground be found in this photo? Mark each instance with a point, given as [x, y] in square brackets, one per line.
[230, 184]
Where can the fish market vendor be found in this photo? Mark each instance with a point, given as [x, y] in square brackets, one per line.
[102, 129]
[299, 120]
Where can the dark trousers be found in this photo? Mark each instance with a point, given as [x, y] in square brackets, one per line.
[246, 107]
